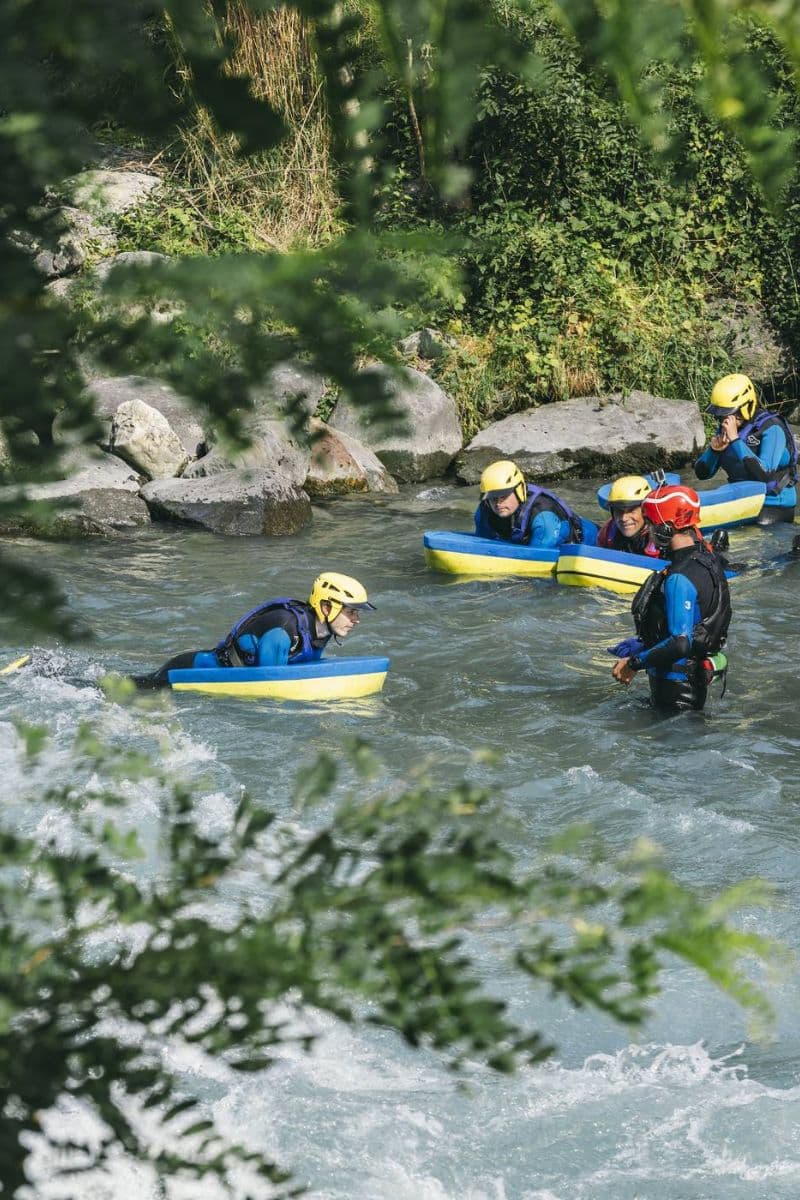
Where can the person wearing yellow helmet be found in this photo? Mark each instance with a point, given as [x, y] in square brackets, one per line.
[279, 632]
[751, 444]
[626, 529]
[512, 510]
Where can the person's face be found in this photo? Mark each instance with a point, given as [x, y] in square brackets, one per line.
[505, 504]
[629, 521]
[346, 619]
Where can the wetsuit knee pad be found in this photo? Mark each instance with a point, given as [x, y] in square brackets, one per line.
[204, 660]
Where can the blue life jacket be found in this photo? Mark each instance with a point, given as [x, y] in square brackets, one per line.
[751, 435]
[537, 500]
[229, 649]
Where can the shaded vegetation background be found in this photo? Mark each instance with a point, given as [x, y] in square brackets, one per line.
[591, 262]
[582, 267]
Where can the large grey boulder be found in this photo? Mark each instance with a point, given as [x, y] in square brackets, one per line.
[340, 465]
[128, 258]
[75, 237]
[427, 343]
[98, 496]
[108, 192]
[590, 435]
[143, 437]
[109, 392]
[433, 433]
[287, 386]
[271, 449]
[238, 503]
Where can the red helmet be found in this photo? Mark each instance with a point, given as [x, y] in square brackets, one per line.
[672, 504]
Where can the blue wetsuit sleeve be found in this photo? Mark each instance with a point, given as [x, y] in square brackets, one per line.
[547, 531]
[590, 531]
[774, 454]
[482, 526]
[273, 648]
[707, 464]
[682, 610]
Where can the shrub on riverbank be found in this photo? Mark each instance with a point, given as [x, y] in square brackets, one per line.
[588, 268]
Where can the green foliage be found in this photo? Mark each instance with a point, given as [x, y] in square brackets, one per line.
[111, 952]
[173, 225]
[590, 266]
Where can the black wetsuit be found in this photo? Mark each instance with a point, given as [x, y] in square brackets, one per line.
[682, 616]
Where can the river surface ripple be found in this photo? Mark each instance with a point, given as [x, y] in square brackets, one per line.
[693, 1110]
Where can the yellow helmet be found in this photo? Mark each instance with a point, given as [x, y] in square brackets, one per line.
[628, 492]
[731, 394]
[502, 476]
[340, 590]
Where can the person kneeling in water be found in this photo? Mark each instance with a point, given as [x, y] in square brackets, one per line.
[626, 530]
[279, 632]
[512, 510]
[681, 613]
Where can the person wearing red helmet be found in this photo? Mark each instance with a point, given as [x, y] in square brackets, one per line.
[681, 613]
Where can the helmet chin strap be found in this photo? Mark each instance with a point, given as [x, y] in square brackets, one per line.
[332, 632]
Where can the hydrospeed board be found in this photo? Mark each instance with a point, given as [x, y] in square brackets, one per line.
[731, 505]
[467, 554]
[595, 566]
[724, 507]
[334, 679]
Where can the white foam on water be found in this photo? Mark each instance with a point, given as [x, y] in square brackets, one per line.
[398, 1182]
[687, 822]
[433, 493]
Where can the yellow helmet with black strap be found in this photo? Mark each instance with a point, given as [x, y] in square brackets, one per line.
[733, 394]
[628, 492]
[341, 591]
[503, 476]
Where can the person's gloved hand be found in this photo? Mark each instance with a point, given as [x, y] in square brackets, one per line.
[626, 649]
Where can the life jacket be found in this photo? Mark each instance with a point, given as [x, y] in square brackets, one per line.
[650, 613]
[611, 537]
[537, 500]
[229, 650]
[752, 433]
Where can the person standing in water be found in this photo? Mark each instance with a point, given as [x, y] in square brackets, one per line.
[682, 613]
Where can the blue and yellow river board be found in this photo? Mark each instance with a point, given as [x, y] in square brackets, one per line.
[467, 554]
[337, 679]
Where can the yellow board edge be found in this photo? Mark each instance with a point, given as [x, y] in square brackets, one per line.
[323, 687]
[574, 570]
[17, 665]
[746, 508]
[487, 565]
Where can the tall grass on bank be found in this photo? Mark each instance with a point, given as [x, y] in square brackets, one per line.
[287, 196]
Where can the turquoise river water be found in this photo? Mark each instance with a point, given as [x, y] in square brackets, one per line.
[691, 1110]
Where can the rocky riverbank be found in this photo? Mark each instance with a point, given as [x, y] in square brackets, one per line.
[157, 458]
